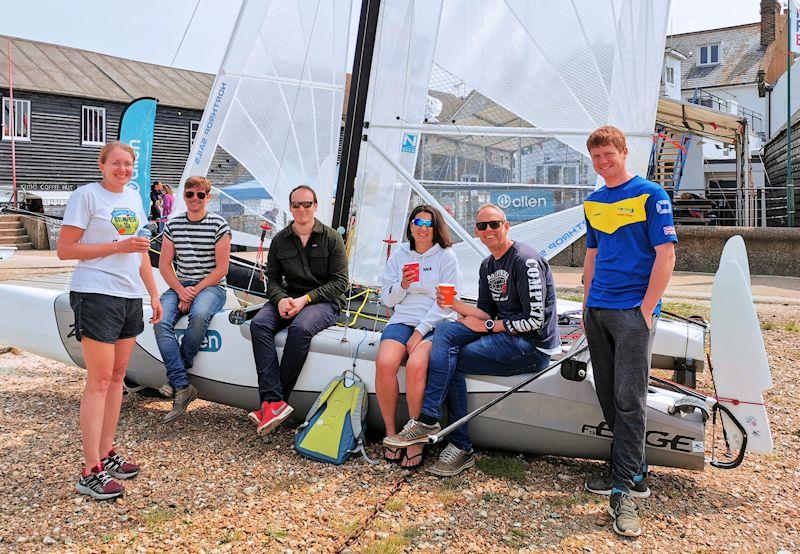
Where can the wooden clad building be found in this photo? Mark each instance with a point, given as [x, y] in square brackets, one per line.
[68, 103]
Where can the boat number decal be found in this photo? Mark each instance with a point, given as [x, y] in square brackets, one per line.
[212, 342]
[656, 439]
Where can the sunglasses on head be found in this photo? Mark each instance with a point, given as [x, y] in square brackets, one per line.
[422, 222]
[200, 194]
[481, 225]
[307, 204]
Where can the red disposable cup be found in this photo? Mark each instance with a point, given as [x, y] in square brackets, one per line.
[448, 292]
[415, 267]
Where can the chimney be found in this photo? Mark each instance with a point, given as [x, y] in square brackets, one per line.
[768, 16]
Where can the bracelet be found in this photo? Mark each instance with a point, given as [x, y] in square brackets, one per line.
[308, 297]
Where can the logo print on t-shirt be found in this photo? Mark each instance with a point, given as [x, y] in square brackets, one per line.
[124, 221]
[663, 207]
[498, 285]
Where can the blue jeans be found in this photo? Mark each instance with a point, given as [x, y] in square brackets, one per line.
[457, 351]
[179, 356]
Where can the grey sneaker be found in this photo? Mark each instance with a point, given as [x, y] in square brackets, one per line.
[602, 485]
[452, 461]
[625, 512]
[183, 397]
[415, 432]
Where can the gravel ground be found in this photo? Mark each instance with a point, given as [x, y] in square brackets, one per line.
[209, 484]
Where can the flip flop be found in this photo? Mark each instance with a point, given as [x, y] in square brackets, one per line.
[417, 465]
[394, 451]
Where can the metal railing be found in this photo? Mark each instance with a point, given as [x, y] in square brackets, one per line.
[748, 207]
[703, 98]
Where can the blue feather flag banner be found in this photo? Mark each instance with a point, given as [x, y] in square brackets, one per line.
[136, 130]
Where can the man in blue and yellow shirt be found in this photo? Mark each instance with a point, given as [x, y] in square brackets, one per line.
[630, 255]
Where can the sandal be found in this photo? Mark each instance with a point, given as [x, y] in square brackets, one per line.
[394, 452]
[416, 465]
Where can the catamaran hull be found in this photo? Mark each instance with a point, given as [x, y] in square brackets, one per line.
[551, 416]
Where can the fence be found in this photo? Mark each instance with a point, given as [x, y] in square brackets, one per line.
[746, 207]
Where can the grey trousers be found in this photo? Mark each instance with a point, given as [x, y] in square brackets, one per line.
[620, 345]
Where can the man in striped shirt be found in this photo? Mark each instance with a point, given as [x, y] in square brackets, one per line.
[198, 242]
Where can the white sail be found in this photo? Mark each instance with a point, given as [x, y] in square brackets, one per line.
[276, 106]
[405, 41]
[562, 69]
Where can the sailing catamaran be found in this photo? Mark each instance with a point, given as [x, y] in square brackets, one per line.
[276, 108]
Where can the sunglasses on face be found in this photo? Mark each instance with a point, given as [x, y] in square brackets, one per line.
[422, 222]
[200, 195]
[307, 204]
[481, 225]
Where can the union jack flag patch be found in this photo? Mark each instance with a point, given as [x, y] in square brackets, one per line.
[669, 230]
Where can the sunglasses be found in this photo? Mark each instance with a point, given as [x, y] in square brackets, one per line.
[190, 194]
[481, 225]
[307, 204]
[422, 222]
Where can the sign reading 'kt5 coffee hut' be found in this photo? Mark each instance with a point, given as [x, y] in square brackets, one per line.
[521, 205]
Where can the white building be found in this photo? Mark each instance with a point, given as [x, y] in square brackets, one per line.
[719, 69]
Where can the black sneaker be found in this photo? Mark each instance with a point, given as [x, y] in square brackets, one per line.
[602, 485]
[625, 513]
[99, 485]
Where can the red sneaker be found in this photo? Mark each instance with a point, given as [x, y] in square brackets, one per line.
[256, 415]
[119, 468]
[99, 484]
[272, 415]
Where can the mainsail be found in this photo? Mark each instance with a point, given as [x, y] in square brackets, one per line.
[559, 69]
[272, 120]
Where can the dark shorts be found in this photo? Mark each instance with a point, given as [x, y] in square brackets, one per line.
[401, 332]
[106, 318]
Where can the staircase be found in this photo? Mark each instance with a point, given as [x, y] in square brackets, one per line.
[667, 159]
[12, 233]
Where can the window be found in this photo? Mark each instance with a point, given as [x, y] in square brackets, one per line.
[570, 175]
[20, 126]
[193, 127]
[709, 55]
[670, 75]
[554, 175]
[93, 126]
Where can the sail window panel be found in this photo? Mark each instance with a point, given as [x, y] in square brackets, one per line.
[93, 126]
[16, 121]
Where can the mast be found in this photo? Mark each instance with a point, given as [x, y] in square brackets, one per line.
[356, 107]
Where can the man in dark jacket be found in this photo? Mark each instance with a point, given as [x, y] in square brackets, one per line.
[307, 281]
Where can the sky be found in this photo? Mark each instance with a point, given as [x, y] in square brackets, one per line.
[152, 30]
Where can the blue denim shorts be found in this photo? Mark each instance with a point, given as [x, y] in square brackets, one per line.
[401, 333]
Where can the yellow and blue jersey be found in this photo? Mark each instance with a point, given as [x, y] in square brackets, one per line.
[625, 224]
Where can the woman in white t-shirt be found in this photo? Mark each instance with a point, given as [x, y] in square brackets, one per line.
[100, 227]
[409, 286]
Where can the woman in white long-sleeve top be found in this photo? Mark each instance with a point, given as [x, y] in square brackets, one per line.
[409, 286]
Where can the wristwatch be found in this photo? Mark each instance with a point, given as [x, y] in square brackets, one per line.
[489, 324]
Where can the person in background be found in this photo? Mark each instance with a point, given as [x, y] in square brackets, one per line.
[99, 230]
[167, 203]
[630, 255]
[306, 282]
[156, 199]
[199, 244]
[512, 330]
[409, 286]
